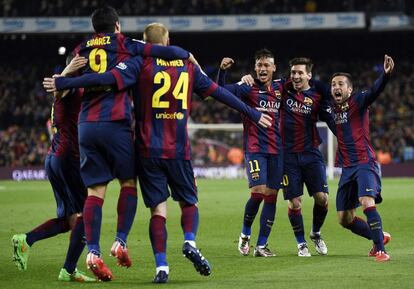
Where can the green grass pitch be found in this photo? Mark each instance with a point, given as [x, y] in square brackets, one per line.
[26, 204]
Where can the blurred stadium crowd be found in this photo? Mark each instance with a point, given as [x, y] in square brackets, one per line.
[25, 109]
[12, 8]
[25, 106]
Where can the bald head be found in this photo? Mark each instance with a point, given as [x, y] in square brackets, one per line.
[156, 33]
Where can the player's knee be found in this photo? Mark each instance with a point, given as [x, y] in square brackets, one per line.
[367, 202]
[345, 220]
[259, 189]
[295, 204]
[160, 210]
[321, 199]
[128, 183]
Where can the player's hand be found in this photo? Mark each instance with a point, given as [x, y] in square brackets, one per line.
[49, 83]
[248, 79]
[76, 63]
[388, 64]
[193, 60]
[226, 63]
[265, 120]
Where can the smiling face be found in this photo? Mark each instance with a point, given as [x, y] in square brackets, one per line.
[341, 88]
[300, 77]
[265, 67]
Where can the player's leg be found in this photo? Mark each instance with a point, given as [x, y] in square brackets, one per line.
[23, 242]
[255, 168]
[154, 188]
[75, 195]
[182, 183]
[69, 272]
[347, 202]
[126, 208]
[314, 175]
[120, 156]
[292, 192]
[92, 217]
[273, 176]
[158, 237]
[369, 194]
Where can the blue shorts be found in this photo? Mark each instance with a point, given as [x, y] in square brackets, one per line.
[156, 175]
[264, 169]
[358, 181]
[304, 168]
[64, 176]
[106, 152]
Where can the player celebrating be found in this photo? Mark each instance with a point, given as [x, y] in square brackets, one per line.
[163, 146]
[302, 104]
[360, 182]
[303, 162]
[105, 136]
[263, 150]
[62, 167]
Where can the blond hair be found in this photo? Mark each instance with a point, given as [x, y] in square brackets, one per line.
[155, 33]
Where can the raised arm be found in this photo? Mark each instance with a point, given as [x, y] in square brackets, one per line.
[366, 98]
[227, 63]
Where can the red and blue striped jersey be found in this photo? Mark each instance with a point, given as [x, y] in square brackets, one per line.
[64, 118]
[162, 104]
[257, 139]
[299, 115]
[104, 51]
[352, 126]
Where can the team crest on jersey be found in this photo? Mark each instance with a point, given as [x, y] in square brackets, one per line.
[308, 101]
[255, 176]
[278, 94]
[344, 106]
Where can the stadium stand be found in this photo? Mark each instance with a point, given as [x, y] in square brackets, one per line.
[14, 8]
[25, 107]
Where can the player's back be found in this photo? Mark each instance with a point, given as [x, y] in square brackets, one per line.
[104, 51]
[162, 106]
[64, 118]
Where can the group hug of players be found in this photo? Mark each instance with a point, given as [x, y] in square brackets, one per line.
[123, 114]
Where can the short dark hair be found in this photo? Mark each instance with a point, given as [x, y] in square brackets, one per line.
[346, 74]
[302, 61]
[263, 53]
[104, 19]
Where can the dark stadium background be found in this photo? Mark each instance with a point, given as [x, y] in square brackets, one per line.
[26, 58]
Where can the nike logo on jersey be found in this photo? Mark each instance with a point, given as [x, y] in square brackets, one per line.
[369, 190]
[262, 91]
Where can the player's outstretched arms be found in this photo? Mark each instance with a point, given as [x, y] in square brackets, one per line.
[248, 79]
[388, 64]
[86, 80]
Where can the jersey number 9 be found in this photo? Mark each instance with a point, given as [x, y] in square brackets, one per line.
[97, 60]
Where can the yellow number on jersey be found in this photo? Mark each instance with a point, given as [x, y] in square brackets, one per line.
[100, 65]
[156, 97]
[252, 165]
[180, 90]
